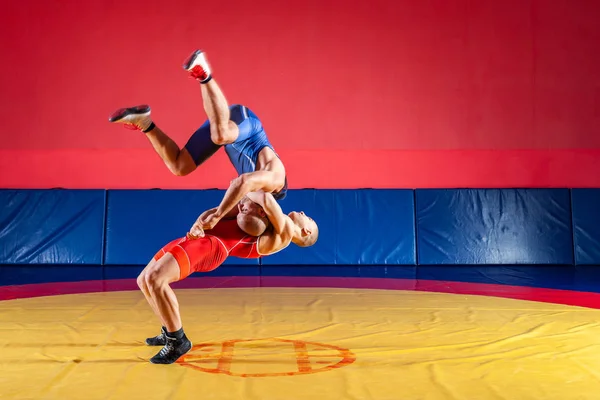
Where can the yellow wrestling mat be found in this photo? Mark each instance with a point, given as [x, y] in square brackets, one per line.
[318, 344]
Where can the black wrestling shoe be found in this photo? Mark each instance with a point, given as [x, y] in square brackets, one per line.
[171, 352]
[158, 340]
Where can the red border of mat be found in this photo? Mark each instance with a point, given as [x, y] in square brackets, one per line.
[556, 296]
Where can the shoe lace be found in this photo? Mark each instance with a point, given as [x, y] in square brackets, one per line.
[159, 336]
[167, 347]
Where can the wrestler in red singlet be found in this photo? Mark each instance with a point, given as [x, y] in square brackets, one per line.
[207, 253]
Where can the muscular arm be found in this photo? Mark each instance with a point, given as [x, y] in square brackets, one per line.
[283, 228]
[244, 184]
[198, 227]
[231, 214]
[273, 210]
[207, 212]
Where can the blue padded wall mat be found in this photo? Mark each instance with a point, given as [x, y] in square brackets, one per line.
[375, 227]
[586, 225]
[141, 222]
[365, 226]
[53, 226]
[494, 226]
[319, 205]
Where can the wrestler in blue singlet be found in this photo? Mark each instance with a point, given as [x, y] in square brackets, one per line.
[242, 153]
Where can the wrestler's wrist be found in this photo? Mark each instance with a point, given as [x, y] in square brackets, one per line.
[219, 213]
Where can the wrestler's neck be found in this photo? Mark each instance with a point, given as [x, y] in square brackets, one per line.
[297, 237]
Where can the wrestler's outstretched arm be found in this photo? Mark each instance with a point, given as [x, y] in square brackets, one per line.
[197, 229]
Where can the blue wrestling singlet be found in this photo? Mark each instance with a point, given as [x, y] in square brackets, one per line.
[243, 153]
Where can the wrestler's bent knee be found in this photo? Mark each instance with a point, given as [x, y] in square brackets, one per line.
[223, 134]
[141, 281]
[182, 170]
[154, 280]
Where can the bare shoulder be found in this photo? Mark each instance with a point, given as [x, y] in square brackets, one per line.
[268, 160]
[271, 242]
[286, 233]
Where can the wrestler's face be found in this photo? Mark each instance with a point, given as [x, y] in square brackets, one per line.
[247, 206]
[303, 221]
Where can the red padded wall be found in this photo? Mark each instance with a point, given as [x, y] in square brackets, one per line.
[384, 93]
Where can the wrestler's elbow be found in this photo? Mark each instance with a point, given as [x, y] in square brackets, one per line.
[239, 183]
[246, 183]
